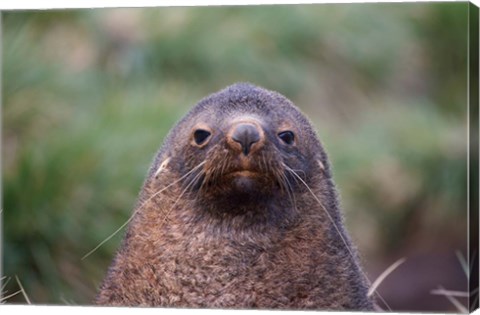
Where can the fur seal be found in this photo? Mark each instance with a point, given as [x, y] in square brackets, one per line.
[239, 210]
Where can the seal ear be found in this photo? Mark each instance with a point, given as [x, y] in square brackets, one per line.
[322, 167]
[162, 166]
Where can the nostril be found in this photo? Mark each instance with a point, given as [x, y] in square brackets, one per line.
[246, 135]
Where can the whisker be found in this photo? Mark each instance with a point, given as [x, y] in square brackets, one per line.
[215, 171]
[293, 194]
[282, 181]
[295, 178]
[140, 207]
[335, 226]
[323, 207]
[297, 171]
[206, 179]
[290, 192]
[225, 163]
[204, 182]
[180, 196]
[264, 163]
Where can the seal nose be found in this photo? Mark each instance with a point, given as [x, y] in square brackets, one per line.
[246, 135]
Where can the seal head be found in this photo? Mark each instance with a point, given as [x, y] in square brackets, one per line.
[252, 143]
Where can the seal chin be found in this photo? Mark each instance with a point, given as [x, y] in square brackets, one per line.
[245, 181]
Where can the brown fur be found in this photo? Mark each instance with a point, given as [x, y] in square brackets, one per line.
[219, 240]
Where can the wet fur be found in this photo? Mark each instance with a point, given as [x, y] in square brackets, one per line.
[204, 242]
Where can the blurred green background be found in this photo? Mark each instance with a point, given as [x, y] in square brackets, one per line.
[88, 96]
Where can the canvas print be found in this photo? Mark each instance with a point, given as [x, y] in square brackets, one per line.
[274, 157]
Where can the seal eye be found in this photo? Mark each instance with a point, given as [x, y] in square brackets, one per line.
[287, 136]
[200, 136]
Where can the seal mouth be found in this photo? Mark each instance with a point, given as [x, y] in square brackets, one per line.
[259, 174]
[244, 173]
[236, 180]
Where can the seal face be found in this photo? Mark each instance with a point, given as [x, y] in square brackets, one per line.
[238, 210]
[251, 144]
[244, 166]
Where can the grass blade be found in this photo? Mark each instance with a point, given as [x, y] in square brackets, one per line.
[22, 290]
[384, 275]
